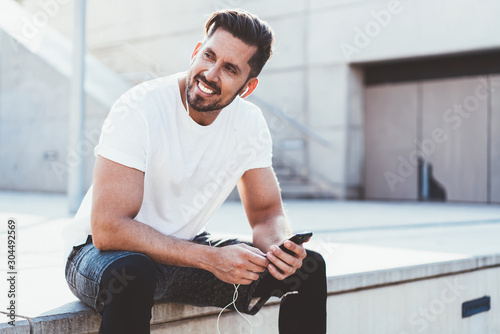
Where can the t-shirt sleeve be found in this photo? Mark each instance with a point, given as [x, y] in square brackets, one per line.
[124, 136]
[264, 145]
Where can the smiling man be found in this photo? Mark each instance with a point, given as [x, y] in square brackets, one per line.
[170, 152]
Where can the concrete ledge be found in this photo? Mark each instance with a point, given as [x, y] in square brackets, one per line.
[75, 317]
[372, 279]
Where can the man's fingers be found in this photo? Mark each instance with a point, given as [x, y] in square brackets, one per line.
[257, 257]
[257, 268]
[275, 272]
[253, 249]
[251, 263]
[297, 249]
[292, 260]
[285, 267]
[284, 264]
[246, 275]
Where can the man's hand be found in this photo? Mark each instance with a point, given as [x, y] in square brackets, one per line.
[282, 264]
[239, 264]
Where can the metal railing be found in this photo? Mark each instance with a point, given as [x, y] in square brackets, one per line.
[301, 127]
[299, 168]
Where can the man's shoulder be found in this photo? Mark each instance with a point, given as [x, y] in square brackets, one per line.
[247, 110]
[248, 118]
[166, 84]
[149, 97]
[151, 88]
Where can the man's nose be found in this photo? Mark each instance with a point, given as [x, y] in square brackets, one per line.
[212, 73]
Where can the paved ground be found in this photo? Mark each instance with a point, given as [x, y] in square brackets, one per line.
[411, 232]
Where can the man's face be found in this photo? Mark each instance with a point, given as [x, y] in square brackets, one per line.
[219, 72]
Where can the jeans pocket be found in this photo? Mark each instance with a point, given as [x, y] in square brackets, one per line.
[77, 248]
[83, 284]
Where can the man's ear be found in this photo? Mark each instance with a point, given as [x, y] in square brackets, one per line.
[249, 87]
[196, 50]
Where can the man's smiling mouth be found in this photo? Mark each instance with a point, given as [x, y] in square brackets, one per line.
[204, 88]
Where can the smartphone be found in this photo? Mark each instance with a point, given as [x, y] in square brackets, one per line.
[299, 239]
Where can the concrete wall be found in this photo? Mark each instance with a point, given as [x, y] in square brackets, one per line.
[428, 306]
[34, 111]
[459, 159]
[450, 123]
[311, 76]
[35, 71]
[390, 134]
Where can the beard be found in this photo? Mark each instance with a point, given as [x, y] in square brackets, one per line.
[198, 103]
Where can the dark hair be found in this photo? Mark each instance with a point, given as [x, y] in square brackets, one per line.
[248, 28]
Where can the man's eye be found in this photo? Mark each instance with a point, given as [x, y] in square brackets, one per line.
[231, 70]
[208, 55]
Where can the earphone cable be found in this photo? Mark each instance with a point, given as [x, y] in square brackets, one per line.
[235, 297]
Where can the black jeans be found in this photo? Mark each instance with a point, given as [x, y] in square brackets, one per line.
[122, 287]
[304, 311]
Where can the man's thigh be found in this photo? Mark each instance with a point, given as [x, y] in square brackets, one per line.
[192, 286]
[199, 287]
[84, 270]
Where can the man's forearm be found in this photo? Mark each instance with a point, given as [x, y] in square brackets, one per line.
[271, 231]
[131, 235]
[235, 264]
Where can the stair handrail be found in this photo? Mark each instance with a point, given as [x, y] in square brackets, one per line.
[301, 127]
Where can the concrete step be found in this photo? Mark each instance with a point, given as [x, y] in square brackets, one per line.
[295, 185]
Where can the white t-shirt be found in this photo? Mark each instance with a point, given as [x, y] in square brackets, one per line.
[189, 169]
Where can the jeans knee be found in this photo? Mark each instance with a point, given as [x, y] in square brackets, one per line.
[314, 263]
[131, 277]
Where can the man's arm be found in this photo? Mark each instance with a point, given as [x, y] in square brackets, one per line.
[261, 197]
[117, 199]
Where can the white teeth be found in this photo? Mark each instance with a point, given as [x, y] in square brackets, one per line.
[204, 89]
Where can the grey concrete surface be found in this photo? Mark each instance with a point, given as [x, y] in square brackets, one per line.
[355, 237]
